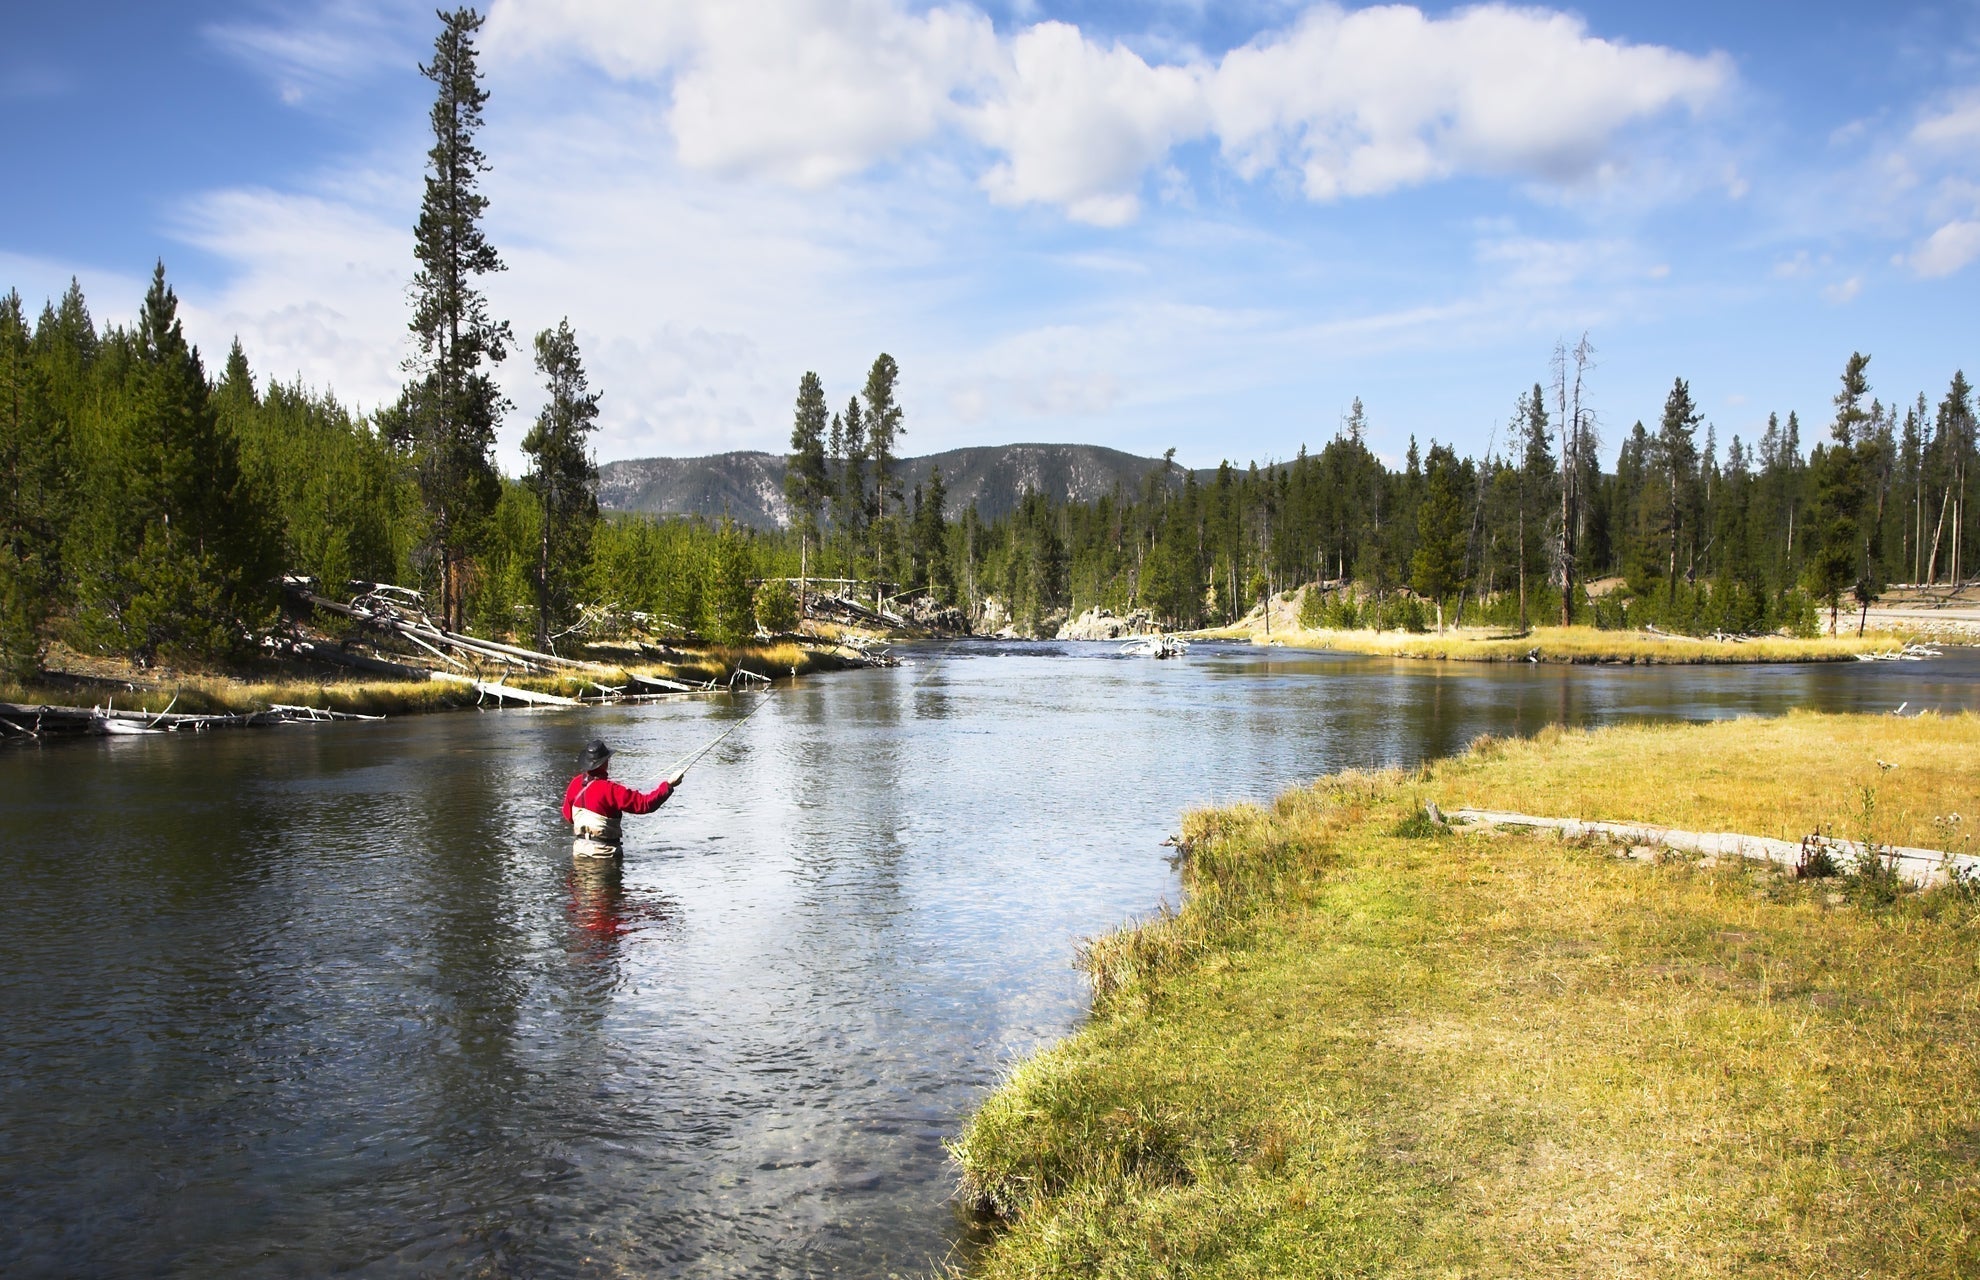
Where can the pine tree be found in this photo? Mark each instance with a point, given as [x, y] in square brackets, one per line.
[185, 559]
[447, 415]
[35, 498]
[929, 538]
[1837, 477]
[1437, 565]
[1677, 462]
[806, 483]
[883, 428]
[1538, 480]
[850, 502]
[562, 476]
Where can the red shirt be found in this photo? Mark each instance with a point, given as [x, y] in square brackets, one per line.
[602, 795]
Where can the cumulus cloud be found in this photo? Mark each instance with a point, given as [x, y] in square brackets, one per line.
[1363, 103]
[1356, 103]
[1079, 124]
[801, 91]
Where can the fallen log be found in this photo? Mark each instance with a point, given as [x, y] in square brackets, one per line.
[295, 713]
[661, 682]
[503, 693]
[1922, 867]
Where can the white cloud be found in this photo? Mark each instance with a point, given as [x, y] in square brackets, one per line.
[800, 91]
[1949, 249]
[1081, 124]
[1369, 101]
[1955, 125]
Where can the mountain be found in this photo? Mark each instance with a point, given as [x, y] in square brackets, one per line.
[749, 486]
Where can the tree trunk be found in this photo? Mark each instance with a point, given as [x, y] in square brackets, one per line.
[543, 584]
[1932, 565]
[1522, 564]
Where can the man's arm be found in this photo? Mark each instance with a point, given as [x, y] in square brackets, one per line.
[631, 801]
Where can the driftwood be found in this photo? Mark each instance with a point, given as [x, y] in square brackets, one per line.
[503, 693]
[35, 721]
[309, 714]
[1919, 866]
[395, 611]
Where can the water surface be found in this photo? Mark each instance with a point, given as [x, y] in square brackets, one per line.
[328, 998]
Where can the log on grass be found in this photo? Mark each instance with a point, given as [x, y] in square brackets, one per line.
[1921, 867]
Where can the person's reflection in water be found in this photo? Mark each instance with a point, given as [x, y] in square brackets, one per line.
[600, 911]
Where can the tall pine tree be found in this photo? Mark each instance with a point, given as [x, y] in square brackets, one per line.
[805, 481]
[447, 415]
[562, 476]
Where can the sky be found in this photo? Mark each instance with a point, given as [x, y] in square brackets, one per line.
[1178, 223]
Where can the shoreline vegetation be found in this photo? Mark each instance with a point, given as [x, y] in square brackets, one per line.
[1290, 620]
[1572, 645]
[72, 680]
[1372, 1044]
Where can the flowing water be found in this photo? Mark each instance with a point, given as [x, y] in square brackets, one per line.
[326, 998]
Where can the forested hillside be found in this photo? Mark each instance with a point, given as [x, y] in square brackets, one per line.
[748, 486]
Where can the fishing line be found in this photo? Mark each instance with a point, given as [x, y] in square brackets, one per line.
[686, 762]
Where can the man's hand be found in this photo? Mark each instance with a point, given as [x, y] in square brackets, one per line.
[674, 782]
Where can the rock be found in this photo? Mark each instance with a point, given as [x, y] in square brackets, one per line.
[1103, 624]
[993, 618]
[923, 611]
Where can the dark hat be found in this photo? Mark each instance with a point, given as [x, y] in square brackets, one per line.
[596, 753]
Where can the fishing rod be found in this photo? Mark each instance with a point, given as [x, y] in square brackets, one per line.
[686, 762]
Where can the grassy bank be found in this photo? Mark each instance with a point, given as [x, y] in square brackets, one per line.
[1368, 1046]
[1570, 644]
[256, 688]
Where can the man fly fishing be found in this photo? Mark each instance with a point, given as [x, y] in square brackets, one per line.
[593, 803]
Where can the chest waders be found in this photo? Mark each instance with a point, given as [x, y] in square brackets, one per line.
[598, 834]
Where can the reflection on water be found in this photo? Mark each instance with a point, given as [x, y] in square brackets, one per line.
[311, 999]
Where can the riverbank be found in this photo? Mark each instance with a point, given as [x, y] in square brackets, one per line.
[1369, 1044]
[1567, 645]
[77, 680]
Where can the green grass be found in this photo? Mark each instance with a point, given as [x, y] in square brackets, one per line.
[1362, 1053]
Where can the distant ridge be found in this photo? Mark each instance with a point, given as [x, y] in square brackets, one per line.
[748, 486]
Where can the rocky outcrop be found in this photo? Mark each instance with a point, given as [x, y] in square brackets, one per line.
[925, 612]
[1103, 624]
[992, 617]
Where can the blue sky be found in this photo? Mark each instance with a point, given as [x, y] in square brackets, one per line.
[1207, 226]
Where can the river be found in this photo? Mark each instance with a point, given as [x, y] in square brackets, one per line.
[323, 998]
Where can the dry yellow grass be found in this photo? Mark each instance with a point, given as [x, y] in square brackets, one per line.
[211, 694]
[1366, 1047]
[1571, 645]
[1782, 777]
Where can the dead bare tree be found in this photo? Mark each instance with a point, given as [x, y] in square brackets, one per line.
[1572, 412]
